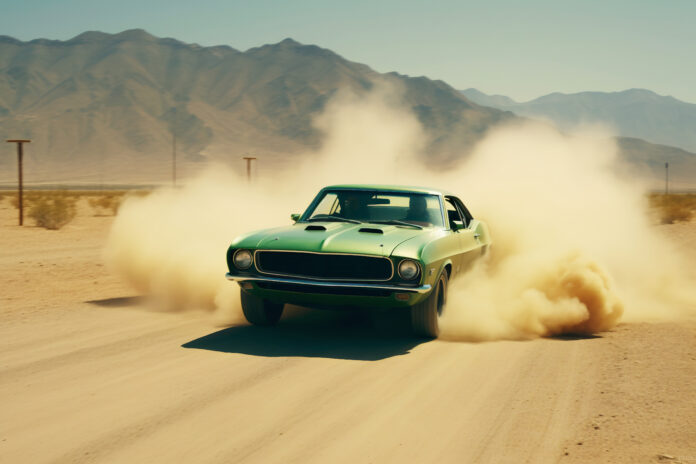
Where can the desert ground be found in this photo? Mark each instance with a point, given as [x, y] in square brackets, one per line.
[90, 371]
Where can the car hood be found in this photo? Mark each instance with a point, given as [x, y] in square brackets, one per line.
[332, 237]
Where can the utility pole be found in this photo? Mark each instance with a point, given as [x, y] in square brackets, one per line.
[666, 178]
[173, 159]
[248, 159]
[20, 156]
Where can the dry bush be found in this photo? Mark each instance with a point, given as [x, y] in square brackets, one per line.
[673, 208]
[14, 201]
[52, 211]
[140, 193]
[30, 198]
[103, 203]
[107, 203]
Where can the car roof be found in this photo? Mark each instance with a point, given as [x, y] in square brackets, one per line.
[388, 188]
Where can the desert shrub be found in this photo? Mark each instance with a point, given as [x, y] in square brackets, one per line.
[29, 198]
[139, 193]
[102, 202]
[676, 213]
[14, 201]
[673, 208]
[52, 211]
[107, 203]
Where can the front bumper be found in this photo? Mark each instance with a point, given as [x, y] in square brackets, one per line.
[336, 285]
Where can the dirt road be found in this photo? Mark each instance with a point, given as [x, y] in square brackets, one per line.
[89, 372]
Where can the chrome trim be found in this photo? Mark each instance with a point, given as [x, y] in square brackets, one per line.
[396, 288]
[445, 220]
[253, 259]
[391, 263]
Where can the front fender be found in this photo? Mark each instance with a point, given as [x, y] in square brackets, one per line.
[434, 252]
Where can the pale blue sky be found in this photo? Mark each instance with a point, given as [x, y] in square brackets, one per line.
[523, 49]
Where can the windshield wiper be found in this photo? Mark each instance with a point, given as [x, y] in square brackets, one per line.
[329, 218]
[396, 222]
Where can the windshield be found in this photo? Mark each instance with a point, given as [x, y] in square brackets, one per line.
[378, 207]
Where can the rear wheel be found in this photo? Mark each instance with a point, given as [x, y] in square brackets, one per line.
[259, 311]
[425, 315]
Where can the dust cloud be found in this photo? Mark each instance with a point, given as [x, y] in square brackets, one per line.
[171, 245]
[573, 247]
[573, 250]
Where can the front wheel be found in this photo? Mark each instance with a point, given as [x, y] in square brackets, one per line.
[259, 311]
[426, 314]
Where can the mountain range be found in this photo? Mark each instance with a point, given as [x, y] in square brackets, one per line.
[110, 103]
[637, 113]
[109, 108]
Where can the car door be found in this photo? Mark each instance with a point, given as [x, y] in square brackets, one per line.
[469, 240]
[453, 215]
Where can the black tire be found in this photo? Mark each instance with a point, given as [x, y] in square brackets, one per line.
[259, 311]
[426, 314]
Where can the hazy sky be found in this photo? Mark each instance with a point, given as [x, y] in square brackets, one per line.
[523, 48]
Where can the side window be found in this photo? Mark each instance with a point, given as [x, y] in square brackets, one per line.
[452, 212]
[464, 211]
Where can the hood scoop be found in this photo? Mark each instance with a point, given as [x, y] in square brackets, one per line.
[371, 230]
[315, 227]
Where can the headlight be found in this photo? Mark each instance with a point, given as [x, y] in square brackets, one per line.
[408, 269]
[242, 259]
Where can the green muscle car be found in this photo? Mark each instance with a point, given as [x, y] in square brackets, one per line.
[369, 246]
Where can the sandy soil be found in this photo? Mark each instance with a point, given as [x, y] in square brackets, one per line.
[89, 372]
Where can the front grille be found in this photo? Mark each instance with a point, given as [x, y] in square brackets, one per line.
[301, 288]
[324, 266]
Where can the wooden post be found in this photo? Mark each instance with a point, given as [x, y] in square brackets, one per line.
[20, 155]
[248, 159]
[173, 160]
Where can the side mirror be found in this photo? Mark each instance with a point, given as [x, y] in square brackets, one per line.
[457, 225]
[295, 217]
